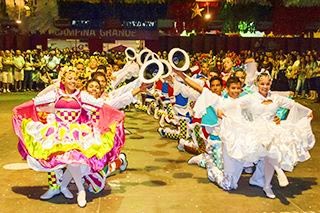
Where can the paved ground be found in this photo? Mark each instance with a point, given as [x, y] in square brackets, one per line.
[158, 178]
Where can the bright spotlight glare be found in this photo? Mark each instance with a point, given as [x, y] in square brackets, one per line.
[207, 16]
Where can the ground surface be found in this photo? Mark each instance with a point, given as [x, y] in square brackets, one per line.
[158, 178]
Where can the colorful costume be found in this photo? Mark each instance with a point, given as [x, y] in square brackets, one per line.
[245, 141]
[118, 98]
[182, 110]
[79, 129]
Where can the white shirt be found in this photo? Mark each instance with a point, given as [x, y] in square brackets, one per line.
[18, 62]
[122, 96]
[52, 62]
[259, 110]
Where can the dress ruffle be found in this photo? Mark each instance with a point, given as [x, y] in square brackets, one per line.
[288, 142]
[44, 140]
[52, 145]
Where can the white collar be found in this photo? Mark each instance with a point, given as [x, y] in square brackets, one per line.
[261, 97]
[73, 95]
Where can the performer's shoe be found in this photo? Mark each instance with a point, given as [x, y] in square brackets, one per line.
[248, 170]
[50, 194]
[181, 144]
[195, 160]
[211, 176]
[127, 132]
[81, 199]
[161, 132]
[66, 193]
[168, 120]
[144, 108]
[124, 161]
[282, 179]
[149, 110]
[269, 193]
[254, 182]
[155, 115]
[162, 122]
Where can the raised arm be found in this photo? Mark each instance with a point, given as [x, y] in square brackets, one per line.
[121, 100]
[189, 81]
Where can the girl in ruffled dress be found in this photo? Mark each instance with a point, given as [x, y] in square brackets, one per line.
[78, 132]
[281, 146]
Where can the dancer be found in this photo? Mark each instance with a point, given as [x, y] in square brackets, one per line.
[200, 122]
[236, 153]
[282, 146]
[70, 138]
[118, 98]
[182, 109]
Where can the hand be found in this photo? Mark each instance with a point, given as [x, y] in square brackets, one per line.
[291, 94]
[169, 79]
[179, 73]
[277, 120]
[310, 115]
[144, 86]
[220, 114]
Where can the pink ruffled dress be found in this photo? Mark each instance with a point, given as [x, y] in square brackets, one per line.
[79, 130]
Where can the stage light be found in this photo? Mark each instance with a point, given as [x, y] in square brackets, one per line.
[207, 16]
[18, 21]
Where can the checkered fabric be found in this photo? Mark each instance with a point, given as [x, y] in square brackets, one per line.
[153, 105]
[196, 137]
[121, 84]
[200, 141]
[95, 116]
[108, 88]
[68, 115]
[144, 108]
[52, 180]
[174, 136]
[170, 111]
[169, 133]
[183, 129]
[138, 106]
[141, 107]
[160, 113]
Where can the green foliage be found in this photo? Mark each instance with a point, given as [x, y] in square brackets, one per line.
[301, 3]
[237, 17]
[259, 2]
[246, 27]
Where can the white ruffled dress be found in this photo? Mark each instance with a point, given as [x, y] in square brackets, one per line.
[248, 141]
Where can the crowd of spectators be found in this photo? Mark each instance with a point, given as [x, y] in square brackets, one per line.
[34, 69]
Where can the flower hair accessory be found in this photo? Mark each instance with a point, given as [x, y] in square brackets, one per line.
[263, 72]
